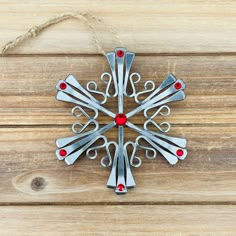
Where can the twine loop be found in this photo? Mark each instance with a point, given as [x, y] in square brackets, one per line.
[87, 18]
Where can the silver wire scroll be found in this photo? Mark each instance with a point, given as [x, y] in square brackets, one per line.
[151, 101]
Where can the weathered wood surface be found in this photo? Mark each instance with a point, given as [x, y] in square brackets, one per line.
[27, 89]
[195, 40]
[118, 220]
[207, 175]
[145, 26]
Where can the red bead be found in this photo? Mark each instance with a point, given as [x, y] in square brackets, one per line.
[120, 119]
[120, 187]
[120, 53]
[63, 152]
[63, 86]
[178, 85]
[179, 152]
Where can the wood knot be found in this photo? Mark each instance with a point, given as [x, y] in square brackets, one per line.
[38, 183]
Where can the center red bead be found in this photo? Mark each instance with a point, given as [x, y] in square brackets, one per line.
[120, 119]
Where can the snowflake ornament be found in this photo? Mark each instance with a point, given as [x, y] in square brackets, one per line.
[120, 81]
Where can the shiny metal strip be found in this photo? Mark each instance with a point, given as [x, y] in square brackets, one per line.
[128, 64]
[61, 96]
[130, 183]
[172, 148]
[70, 159]
[170, 91]
[172, 159]
[111, 58]
[181, 142]
[71, 148]
[180, 95]
[70, 79]
[71, 91]
[120, 72]
[61, 142]
[111, 183]
[170, 79]
[121, 169]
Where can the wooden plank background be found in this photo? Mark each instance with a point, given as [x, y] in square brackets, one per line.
[39, 195]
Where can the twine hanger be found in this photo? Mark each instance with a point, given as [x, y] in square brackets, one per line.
[37, 29]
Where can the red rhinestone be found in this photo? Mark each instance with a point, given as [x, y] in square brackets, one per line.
[178, 85]
[179, 152]
[63, 86]
[120, 119]
[63, 152]
[120, 187]
[120, 53]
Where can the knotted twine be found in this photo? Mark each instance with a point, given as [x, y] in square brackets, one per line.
[37, 29]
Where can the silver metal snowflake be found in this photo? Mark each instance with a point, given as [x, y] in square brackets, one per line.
[120, 81]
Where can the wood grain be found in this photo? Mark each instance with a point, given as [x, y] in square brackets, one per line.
[30, 173]
[146, 26]
[27, 88]
[42, 196]
[118, 220]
